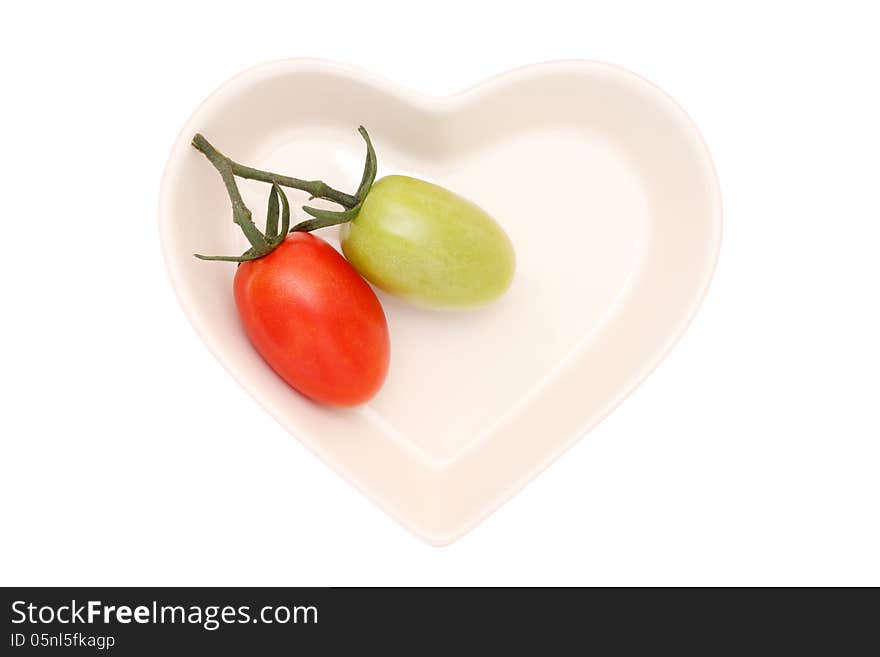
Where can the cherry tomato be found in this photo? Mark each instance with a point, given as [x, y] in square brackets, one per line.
[420, 241]
[314, 320]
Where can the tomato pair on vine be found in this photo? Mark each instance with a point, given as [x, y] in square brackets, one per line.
[307, 310]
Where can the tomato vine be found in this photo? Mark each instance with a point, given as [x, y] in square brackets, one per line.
[263, 243]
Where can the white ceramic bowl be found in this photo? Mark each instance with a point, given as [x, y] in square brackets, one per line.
[603, 184]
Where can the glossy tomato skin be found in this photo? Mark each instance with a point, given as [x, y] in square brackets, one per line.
[428, 245]
[315, 321]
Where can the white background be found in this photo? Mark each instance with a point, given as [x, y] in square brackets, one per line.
[129, 456]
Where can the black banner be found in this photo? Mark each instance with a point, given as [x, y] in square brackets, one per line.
[150, 621]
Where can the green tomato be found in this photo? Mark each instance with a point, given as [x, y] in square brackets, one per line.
[421, 242]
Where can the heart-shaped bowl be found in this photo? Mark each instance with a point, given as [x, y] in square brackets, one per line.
[603, 184]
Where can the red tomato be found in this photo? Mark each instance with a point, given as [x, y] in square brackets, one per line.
[315, 321]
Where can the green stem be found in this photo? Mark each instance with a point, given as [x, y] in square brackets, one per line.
[316, 188]
[325, 218]
[240, 213]
[263, 244]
